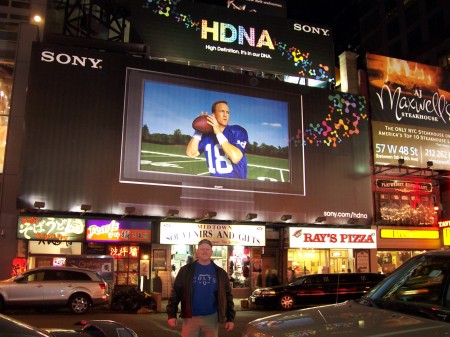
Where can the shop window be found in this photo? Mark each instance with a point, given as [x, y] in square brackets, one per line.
[20, 4]
[126, 264]
[181, 255]
[388, 261]
[239, 266]
[405, 209]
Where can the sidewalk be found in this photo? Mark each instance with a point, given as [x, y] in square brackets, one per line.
[240, 304]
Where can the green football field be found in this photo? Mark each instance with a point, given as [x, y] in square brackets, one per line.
[173, 159]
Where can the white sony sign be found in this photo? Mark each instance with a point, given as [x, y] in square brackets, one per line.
[72, 60]
[174, 233]
[304, 237]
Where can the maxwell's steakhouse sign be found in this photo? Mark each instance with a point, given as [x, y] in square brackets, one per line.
[220, 235]
[331, 238]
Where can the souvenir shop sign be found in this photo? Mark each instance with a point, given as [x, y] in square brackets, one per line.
[118, 231]
[218, 234]
[50, 228]
[331, 238]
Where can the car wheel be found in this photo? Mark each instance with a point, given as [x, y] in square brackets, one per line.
[79, 303]
[286, 302]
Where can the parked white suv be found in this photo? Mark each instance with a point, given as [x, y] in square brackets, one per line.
[75, 288]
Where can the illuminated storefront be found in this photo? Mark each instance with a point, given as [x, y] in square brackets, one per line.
[47, 241]
[329, 250]
[237, 249]
[128, 242]
[445, 230]
[115, 248]
[396, 245]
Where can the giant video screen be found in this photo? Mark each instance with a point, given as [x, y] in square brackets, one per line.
[159, 112]
[200, 34]
[112, 131]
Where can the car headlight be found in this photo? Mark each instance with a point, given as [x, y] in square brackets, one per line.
[264, 292]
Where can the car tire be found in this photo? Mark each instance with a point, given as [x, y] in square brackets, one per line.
[79, 303]
[286, 302]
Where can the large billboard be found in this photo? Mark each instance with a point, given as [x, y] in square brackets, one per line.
[159, 112]
[410, 112]
[202, 34]
[112, 130]
[273, 7]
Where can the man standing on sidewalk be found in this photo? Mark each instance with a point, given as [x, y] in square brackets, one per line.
[203, 288]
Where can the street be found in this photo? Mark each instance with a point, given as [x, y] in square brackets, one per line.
[145, 325]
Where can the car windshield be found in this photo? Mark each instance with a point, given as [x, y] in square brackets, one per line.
[298, 281]
[420, 287]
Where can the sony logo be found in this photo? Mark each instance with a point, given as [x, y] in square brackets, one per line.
[311, 30]
[73, 60]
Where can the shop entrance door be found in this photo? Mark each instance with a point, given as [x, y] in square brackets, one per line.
[339, 265]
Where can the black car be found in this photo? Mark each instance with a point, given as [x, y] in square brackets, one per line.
[316, 289]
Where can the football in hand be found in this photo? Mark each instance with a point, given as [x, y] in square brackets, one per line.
[200, 124]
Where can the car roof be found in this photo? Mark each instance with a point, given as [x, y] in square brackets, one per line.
[437, 253]
[63, 268]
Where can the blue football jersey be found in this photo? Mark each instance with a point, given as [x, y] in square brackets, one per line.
[218, 164]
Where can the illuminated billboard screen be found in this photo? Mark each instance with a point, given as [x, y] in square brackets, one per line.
[410, 112]
[159, 114]
[112, 130]
[197, 33]
[273, 7]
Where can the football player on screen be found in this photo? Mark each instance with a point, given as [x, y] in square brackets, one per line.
[224, 146]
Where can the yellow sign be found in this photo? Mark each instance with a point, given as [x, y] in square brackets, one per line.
[446, 235]
[409, 234]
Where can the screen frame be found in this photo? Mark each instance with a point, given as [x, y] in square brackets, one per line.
[131, 140]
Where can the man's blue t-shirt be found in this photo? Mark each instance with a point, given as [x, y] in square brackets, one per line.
[218, 164]
[204, 300]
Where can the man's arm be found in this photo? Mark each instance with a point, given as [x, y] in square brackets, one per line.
[192, 147]
[231, 151]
